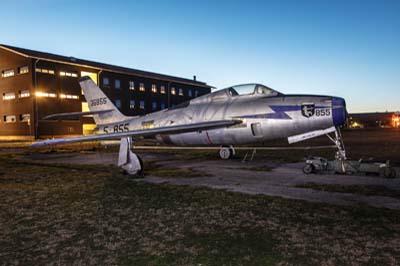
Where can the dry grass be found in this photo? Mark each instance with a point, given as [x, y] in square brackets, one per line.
[365, 190]
[93, 215]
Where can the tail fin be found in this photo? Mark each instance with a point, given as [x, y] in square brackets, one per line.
[98, 101]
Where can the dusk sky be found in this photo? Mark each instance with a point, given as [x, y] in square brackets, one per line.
[344, 48]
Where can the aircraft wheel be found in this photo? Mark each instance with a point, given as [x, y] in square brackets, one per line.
[226, 153]
[140, 173]
[134, 174]
[389, 173]
[308, 169]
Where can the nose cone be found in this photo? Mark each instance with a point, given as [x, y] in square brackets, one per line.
[339, 112]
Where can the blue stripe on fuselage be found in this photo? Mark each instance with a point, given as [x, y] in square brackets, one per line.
[279, 112]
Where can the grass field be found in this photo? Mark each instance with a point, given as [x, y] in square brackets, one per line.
[94, 215]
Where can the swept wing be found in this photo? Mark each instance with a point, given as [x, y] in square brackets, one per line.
[143, 132]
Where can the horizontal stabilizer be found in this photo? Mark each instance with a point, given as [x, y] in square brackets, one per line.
[143, 132]
[75, 114]
[310, 135]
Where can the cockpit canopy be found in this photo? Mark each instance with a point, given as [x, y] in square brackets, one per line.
[253, 89]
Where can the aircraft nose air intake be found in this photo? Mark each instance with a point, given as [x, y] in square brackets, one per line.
[339, 113]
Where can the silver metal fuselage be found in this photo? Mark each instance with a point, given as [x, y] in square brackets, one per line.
[262, 118]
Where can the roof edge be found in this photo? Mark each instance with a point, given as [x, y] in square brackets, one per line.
[95, 65]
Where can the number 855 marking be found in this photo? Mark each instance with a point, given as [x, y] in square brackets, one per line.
[323, 112]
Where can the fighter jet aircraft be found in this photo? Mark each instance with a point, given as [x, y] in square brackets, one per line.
[236, 115]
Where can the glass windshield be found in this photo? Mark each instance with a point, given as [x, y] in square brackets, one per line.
[247, 89]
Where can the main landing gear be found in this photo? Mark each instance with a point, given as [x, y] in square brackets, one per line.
[226, 152]
[129, 161]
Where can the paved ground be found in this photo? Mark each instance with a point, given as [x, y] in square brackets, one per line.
[229, 175]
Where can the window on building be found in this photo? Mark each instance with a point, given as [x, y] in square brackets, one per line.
[141, 105]
[190, 93]
[45, 94]
[154, 105]
[117, 84]
[68, 74]
[7, 73]
[24, 94]
[118, 103]
[9, 119]
[25, 117]
[45, 71]
[154, 88]
[23, 70]
[8, 96]
[69, 96]
[162, 89]
[132, 104]
[106, 82]
[173, 91]
[180, 92]
[141, 87]
[131, 85]
[196, 93]
[162, 105]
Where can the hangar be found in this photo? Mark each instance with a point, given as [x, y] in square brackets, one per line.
[34, 84]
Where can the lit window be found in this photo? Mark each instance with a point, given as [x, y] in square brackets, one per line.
[131, 85]
[68, 74]
[24, 94]
[117, 84]
[141, 105]
[118, 103]
[154, 105]
[162, 89]
[45, 71]
[190, 93]
[69, 96]
[180, 92]
[132, 104]
[9, 96]
[7, 73]
[45, 94]
[10, 119]
[141, 87]
[23, 70]
[162, 105]
[154, 88]
[106, 82]
[173, 92]
[196, 93]
[25, 117]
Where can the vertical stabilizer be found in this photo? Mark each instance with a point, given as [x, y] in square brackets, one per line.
[98, 101]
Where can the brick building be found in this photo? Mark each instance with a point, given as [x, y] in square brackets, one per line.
[34, 84]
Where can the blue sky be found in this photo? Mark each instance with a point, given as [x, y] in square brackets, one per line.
[344, 48]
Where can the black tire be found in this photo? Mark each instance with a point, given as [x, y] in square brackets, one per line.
[389, 173]
[140, 173]
[394, 173]
[308, 169]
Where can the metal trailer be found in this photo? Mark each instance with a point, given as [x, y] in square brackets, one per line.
[319, 164]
